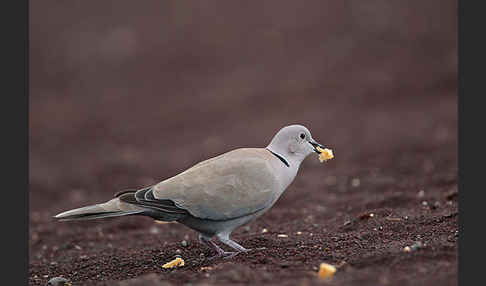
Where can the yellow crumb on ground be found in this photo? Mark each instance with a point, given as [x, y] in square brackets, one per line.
[326, 270]
[326, 154]
[178, 262]
[282, 235]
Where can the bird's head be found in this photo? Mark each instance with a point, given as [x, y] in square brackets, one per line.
[294, 143]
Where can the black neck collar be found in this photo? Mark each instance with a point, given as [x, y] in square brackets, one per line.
[280, 158]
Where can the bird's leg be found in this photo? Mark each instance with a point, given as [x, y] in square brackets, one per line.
[219, 251]
[224, 238]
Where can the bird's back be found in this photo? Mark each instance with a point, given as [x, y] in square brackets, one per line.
[231, 185]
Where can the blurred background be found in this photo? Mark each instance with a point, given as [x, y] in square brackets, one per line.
[126, 93]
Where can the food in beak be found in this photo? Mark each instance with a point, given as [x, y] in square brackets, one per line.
[324, 154]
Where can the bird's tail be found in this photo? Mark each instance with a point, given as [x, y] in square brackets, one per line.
[111, 208]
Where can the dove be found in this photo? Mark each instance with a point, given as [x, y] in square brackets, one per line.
[218, 195]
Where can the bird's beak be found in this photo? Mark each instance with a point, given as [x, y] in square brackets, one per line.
[315, 145]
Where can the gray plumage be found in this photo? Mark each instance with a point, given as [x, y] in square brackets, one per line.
[217, 195]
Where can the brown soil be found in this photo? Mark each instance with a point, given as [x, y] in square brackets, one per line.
[387, 109]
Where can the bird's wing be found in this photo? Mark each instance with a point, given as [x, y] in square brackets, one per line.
[235, 184]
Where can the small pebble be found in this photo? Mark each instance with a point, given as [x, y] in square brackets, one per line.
[282, 235]
[264, 230]
[299, 232]
[425, 203]
[58, 281]
[413, 247]
[417, 245]
[355, 182]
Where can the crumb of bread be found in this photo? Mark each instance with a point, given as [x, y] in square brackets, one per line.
[326, 154]
[174, 263]
[326, 270]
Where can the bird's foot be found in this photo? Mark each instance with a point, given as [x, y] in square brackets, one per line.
[224, 255]
[220, 253]
[231, 254]
[232, 244]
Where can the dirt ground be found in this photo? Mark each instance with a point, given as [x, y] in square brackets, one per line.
[385, 102]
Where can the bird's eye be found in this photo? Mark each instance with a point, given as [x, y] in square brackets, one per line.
[302, 135]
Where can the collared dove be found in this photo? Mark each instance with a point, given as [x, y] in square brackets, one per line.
[218, 195]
